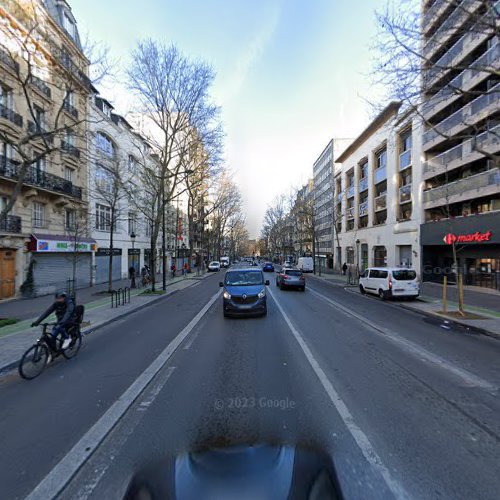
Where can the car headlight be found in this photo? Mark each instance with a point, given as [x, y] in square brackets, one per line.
[262, 294]
[227, 295]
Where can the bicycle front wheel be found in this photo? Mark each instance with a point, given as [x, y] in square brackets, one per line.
[74, 347]
[33, 361]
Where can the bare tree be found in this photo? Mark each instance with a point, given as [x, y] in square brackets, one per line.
[175, 112]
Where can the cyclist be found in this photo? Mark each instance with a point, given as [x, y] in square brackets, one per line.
[64, 308]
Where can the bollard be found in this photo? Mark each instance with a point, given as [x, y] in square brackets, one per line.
[119, 298]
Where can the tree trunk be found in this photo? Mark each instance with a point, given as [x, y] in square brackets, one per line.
[111, 234]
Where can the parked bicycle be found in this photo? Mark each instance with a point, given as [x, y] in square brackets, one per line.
[48, 347]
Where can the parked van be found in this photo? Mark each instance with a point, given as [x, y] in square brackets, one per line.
[224, 262]
[387, 282]
[305, 264]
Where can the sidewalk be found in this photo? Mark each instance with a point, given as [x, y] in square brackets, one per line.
[31, 308]
[15, 339]
[483, 303]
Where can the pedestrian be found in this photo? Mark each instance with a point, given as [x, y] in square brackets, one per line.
[344, 268]
[185, 268]
[173, 269]
[131, 272]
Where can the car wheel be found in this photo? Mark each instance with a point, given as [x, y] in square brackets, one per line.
[362, 289]
[382, 294]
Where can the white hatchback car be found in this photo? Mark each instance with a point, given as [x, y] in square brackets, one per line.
[387, 282]
[214, 266]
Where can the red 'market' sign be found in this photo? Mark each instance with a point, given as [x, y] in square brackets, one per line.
[476, 237]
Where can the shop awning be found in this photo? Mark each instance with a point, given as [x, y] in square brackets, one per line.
[60, 243]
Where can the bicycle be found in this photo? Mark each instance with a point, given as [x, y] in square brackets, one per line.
[35, 359]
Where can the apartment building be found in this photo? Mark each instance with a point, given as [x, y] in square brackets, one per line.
[322, 195]
[43, 159]
[302, 237]
[376, 190]
[116, 154]
[461, 110]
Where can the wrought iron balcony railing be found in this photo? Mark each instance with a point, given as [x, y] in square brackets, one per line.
[34, 128]
[38, 178]
[10, 224]
[70, 109]
[11, 115]
[41, 86]
[70, 149]
[6, 60]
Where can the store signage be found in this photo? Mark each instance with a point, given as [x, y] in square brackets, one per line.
[476, 237]
[106, 251]
[63, 246]
[134, 251]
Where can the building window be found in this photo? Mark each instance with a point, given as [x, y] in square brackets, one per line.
[147, 225]
[38, 214]
[5, 96]
[350, 255]
[103, 179]
[103, 218]
[69, 25]
[68, 174]
[379, 256]
[382, 159]
[105, 144]
[69, 220]
[132, 223]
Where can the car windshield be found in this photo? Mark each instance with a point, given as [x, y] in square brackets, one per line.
[404, 274]
[243, 278]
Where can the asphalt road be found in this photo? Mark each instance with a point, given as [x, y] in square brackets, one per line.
[406, 408]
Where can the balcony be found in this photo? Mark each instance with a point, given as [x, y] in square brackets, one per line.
[40, 85]
[405, 159]
[7, 61]
[72, 68]
[363, 184]
[449, 26]
[363, 208]
[10, 115]
[465, 80]
[10, 224]
[351, 212]
[405, 193]
[38, 178]
[461, 116]
[488, 141]
[381, 202]
[467, 188]
[69, 108]
[380, 174]
[433, 13]
[36, 129]
[70, 149]
[350, 191]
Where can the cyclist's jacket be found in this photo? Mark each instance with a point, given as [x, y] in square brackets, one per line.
[65, 311]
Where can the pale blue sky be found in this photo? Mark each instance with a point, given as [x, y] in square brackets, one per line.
[291, 74]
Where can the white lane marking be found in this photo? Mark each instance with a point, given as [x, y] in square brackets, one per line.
[357, 433]
[61, 474]
[86, 489]
[191, 339]
[465, 376]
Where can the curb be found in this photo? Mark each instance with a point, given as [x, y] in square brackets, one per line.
[9, 367]
[472, 328]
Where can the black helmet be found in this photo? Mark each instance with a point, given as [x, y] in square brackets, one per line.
[61, 295]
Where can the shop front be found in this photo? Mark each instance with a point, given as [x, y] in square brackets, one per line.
[102, 263]
[476, 240]
[58, 263]
[134, 260]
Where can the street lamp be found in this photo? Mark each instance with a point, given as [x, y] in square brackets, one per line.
[132, 237]
[357, 250]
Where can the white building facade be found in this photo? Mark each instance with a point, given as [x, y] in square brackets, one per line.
[114, 147]
[377, 189]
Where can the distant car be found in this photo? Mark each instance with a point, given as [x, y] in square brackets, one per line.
[214, 266]
[389, 282]
[268, 267]
[244, 292]
[224, 262]
[291, 278]
[305, 264]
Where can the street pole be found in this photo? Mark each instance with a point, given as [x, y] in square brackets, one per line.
[176, 234]
[132, 237]
[164, 268]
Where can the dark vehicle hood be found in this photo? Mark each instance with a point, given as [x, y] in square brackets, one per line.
[238, 290]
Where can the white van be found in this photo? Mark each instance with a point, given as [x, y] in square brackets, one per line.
[387, 282]
[224, 261]
[305, 264]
